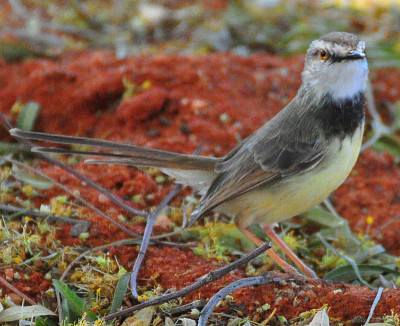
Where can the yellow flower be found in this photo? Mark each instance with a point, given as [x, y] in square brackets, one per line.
[27, 190]
[146, 84]
[370, 220]
[142, 297]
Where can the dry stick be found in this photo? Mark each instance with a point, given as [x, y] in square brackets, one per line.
[72, 264]
[67, 220]
[32, 212]
[84, 254]
[198, 304]
[377, 125]
[244, 282]
[94, 208]
[15, 290]
[208, 278]
[78, 175]
[374, 304]
[78, 198]
[81, 177]
[87, 252]
[382, 227]
[147, 235]
[330, 207]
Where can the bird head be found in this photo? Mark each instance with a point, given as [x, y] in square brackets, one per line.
[336, 65]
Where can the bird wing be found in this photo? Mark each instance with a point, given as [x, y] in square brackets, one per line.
[277, 150]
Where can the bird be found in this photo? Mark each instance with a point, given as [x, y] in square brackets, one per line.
[287, 166]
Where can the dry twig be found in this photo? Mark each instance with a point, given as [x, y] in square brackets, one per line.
[206, 279]
[15, 290]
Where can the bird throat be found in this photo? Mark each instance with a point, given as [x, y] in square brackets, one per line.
[341, 117]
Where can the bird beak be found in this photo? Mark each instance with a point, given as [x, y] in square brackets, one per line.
[354, 55]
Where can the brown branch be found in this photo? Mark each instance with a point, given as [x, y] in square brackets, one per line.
[147, 236]
[244, 282]
[206, 279]
[15, 290]
[17, 211]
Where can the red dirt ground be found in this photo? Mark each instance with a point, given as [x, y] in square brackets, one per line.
[80, 94]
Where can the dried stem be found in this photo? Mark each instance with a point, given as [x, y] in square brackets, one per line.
[76, 174]
[147, 235]
[15, 290]
[78, 198]
[382, 227]
[244, 282]
[378, 126]
[17, 211]
[206, 279]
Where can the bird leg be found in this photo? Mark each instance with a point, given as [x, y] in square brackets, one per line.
[292, 256]
[274, 256]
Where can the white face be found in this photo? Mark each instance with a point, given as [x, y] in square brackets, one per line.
[341, 79]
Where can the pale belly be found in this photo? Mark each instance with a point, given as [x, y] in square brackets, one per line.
[297, 194]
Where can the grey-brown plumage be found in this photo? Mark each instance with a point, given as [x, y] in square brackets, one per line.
[288, 165]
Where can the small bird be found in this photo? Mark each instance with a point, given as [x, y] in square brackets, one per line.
[293, 162]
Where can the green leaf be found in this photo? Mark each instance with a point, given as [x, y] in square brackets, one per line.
[16, 50]
[25, 312]
[35, 181]
[39, 321]
[66, 313]
[7, 148]
[229, 236]
[347, 273]
[349, 260]
[322, 217]
[75, 303]
[27, 116]
[366, 252]
[120, 292]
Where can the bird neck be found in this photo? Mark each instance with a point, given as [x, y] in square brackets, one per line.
[341, 117]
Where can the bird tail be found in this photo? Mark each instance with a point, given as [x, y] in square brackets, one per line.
[124, 154]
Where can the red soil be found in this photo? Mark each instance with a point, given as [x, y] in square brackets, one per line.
[81, 94]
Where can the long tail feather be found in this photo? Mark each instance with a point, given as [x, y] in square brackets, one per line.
[59, 150]
[135, 155]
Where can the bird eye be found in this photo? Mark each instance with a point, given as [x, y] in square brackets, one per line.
[324, 55]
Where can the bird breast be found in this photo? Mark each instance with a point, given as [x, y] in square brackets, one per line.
[296, 194]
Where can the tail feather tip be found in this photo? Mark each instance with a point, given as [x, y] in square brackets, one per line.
[14, 131]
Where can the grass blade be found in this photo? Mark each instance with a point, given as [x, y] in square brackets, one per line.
[27, 116]
[120, 292]
[75, 303]
[347, 273]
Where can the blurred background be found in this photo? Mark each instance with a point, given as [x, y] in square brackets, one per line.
[131, 27]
